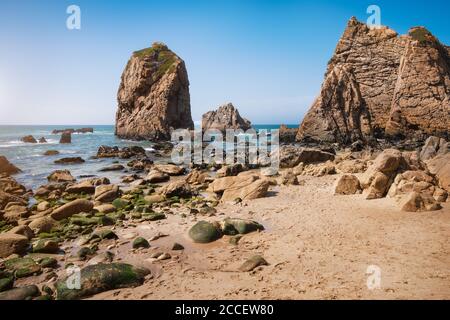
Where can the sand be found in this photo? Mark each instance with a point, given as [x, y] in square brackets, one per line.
[318, 245]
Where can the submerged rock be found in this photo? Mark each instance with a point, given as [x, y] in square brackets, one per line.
[70, 160]
[28, 139]
[101, 277]
[61, 176]
[66, 137]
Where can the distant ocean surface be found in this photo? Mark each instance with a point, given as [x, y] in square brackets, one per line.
[36, 167]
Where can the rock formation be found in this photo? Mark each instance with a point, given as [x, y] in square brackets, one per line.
[381, 84]
[225, 117]
[153, 96]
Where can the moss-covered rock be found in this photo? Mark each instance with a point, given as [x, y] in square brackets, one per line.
[101, 277]
[48, 262]
[153, 216]
[22, 267]
[6, 283]
[240, 226]
[120, 203]
[22, 293]
[140, 242]
[204, 232]
[45, 246]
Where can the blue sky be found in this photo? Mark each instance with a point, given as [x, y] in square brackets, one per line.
[267, 57]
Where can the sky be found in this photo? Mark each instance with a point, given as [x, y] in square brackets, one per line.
[266, 57]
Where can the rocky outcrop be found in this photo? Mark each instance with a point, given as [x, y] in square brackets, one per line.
[153, 96]
[225, 117]
[28, 139]
[7, 167]
[381, 84]
[66, 137]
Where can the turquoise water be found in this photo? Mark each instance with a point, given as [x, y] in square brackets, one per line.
[36, 167]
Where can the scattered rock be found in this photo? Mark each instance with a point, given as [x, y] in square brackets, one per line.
[61, 176]
[252, 263]
[105, 208]
[23, 230]
[236, 226]
[15, 212]
[71, 208]
[102, 277]
[69, 160]
[176, 189]
[347, 184]
[140, 242]
[45, 246]
[66, 137]
[23, 267]
[21, 293]
[204, 232]
[51, 153]
[11, 243]
[170, 169]
[176, 246]
[156, 176]
[28, 139]
[414, 202]
[106, 193]
[42, 224]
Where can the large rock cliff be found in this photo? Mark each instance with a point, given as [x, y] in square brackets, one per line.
[380, 84]
[225, 117]
[153, 95]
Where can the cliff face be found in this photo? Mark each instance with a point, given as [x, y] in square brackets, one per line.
[378, 83]
[225, 117]
[153, 97]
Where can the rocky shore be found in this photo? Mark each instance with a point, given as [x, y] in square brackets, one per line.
[166, 224]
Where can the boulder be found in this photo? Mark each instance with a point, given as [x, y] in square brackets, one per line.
[71, 208]
[197, 177]
[11, 243]
[291, 156]
[225, 117]
[416, 202]
[45, 246]
[153, 97]
[7, 167]
[347, 184]
[101, 277]
[106, 193]
[170, 169]
[23, 230]
[230, 170]
[22, 293]
[440, 167]
[28, 139]
[61, 176]
[105, 208]
[176, 189]
[205, 232]
[434, 146]
[15, 212]
[42, 224]
[234, 226]
[86, 187]
[379, 176]
[66, 137]
[156, 176]
[244, 187]
[252, 263]
[42, 140]
[51, 153]
[140, 242]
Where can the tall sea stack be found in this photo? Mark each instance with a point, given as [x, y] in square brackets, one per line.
[379, 84]
[153, 97]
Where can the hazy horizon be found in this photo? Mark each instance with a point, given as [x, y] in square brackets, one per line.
[267, 58]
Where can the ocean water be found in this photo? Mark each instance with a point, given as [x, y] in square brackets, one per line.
[36, 167]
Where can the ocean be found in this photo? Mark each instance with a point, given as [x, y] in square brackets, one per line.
[36, 167]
